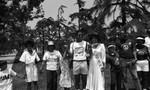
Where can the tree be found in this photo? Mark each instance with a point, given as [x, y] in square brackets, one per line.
[16, 15]
[127, 10]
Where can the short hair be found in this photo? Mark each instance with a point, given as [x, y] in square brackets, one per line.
[29, 42]
[81, 30]
[91, 36]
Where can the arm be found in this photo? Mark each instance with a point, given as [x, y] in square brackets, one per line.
[37, 57]
[13, 73]
[103, 55]
[59, 62]
[43, 61]
[23, 60]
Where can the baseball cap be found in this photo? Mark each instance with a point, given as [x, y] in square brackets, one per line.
[50, 43]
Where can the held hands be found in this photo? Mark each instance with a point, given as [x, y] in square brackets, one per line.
[22, 76]
[41, 70]
[117, 61]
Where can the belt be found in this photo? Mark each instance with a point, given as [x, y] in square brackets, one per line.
[126, 57]
[79, 60]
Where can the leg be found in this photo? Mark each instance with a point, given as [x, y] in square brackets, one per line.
[140, 77]
[145, 80]
[76, 73]
[84, 79]
[54, 80]
[113, 80]
[35, 85]
[84, 72]
[29, 86]
[124, 73]
[133, 72]
[49, 80]
[77, 81]
[119, 79]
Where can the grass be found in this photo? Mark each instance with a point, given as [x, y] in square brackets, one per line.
[20, 84]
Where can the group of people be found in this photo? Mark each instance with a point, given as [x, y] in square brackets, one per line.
[88, 61]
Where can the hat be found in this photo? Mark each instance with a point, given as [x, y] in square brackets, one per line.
[140, 38]
[50, 43]
[111, 46]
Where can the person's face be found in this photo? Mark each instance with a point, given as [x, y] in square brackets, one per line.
[3, 67]
[94, 40]
[79, 36]
[51, 48]
[29, 47]
[139, 42]
[111, 49]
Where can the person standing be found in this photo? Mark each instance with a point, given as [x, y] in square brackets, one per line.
[79, 55]
[6, 76]
[142, 57]
[126, 49]
[52, 58]
[65, 77]
[29, 57]
[147, 43]
[95, 79]
[116, 71]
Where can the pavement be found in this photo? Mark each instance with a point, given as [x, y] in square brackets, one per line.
[9, 58]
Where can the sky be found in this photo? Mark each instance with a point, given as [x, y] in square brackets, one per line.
[50, 8]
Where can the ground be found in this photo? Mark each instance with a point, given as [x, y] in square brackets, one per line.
[21, 85]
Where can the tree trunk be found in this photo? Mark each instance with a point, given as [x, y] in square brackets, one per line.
[123, 13]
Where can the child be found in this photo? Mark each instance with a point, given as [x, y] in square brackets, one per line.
[6, 76]
[29, 57]
[52, 58]
[113, 60]
[65, 78]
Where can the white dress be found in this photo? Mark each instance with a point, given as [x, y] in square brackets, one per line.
[95, 79]
[65, 78]
[31, 68]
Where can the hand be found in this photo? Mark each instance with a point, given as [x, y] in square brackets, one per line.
[117, 62]
[41, 71]
[59, 72]
[22, 76]
[102, 69]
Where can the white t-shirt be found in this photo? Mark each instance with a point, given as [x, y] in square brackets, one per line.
[147, 41]
[78, 50]
[28, 58]
[52, 59]
[6, 76]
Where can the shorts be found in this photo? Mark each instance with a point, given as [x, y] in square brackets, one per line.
[142, 65]
[6, 87]
[80, 67]
[32, 73]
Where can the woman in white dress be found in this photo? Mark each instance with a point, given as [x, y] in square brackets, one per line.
[95, 79]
